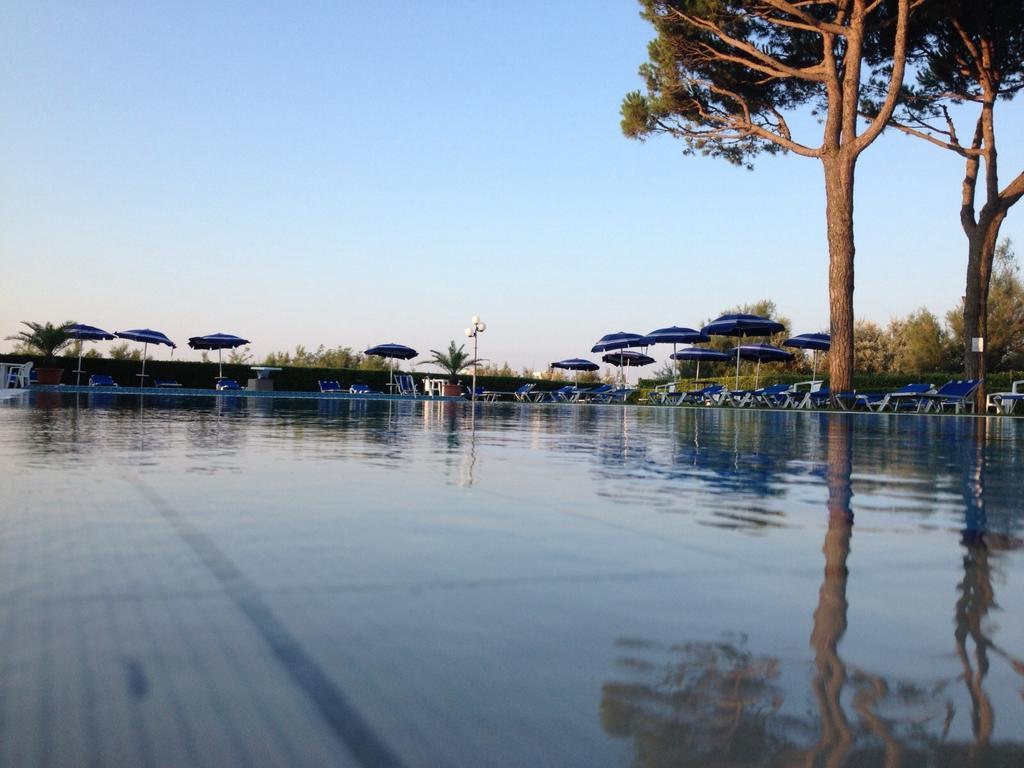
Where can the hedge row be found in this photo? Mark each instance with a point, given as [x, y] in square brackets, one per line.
[203, 375]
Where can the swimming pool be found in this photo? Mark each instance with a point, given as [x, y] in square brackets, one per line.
[251, 581]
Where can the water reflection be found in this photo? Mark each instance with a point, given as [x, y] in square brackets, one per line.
[722, 704]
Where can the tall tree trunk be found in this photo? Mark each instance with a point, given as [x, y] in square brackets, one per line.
[981, 249]
[839, 174]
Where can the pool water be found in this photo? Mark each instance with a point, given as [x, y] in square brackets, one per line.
[190, 581]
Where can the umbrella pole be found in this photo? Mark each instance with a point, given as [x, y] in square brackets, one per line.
[220, 363]
[696, 379]
[757, 373]
[78, 373]
[391, 375]
[737, 368]
[142, 377]
[814, 370]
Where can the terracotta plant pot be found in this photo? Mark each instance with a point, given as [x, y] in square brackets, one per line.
[49, 375]
[451, 390]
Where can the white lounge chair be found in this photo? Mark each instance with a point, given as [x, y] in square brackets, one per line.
[1005, 402]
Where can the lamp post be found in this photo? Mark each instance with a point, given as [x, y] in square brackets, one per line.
[476, 327]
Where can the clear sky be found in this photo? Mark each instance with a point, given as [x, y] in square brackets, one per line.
[353, 173]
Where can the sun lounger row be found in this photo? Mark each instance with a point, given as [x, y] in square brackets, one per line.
[953, 396]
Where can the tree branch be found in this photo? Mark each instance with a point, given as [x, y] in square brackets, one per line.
[777, 68]
[899, 64]
[951, 146]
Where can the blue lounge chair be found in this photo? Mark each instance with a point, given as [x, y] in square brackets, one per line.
[773, 396]
[561, 395]
[329, 385]
[905, 398]
[704, 396]
[406, 385]
[522, 393]
[956, 395]
[594, 394]
[166, 383]
[101, 380]
[359, 389]
[227, 385]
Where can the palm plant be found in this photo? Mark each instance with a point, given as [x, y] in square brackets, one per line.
[46, 339]
[452, 361]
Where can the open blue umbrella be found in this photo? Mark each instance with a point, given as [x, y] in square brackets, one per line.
[220, 342]
[817, 342]
[760, 353]
[698, 354]
[627, 358]
[620, 340]
[674, 335]
[392, 351]
[740, 324]
[576, 364]
[147, 336]
[86, 333]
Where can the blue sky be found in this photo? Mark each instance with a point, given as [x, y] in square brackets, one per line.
[356, 173]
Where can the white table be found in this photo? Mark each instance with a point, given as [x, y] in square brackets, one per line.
[263, 371]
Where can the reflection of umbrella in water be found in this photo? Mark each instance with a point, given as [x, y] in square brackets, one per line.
[698, 354]
[739, 324]
[86, 333]
[576, 364]
[392, 351]
[147, 336]
[220, 342]
[675, 335]
[761, 353]
[818, 342]
[627, 359]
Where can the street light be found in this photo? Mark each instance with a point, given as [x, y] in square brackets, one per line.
[476, 327]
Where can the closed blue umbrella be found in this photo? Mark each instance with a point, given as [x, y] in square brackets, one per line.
[760, 353]
[817, 342]
[86, 333]
[620, 340]
[741, 324]
[220, 342]
[147, 336]
[392, 351]
[698, 354]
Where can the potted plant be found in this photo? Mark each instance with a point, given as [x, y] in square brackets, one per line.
[46, 340]
[452, 361]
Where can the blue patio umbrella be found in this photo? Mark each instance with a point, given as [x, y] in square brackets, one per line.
[674, 335]
[760, 353]
[147, 336]
[817, 342]
[740, 324]
[392, 351]
[698, 354]
[576, 364]
[620, 340]
[83, 332]
[627, 358]
[220, 342]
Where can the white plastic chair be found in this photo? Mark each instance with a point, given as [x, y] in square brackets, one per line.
[24, 375]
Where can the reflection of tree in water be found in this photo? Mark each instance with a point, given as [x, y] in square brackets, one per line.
[981, 553]
[721, 704]
[709, 704]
